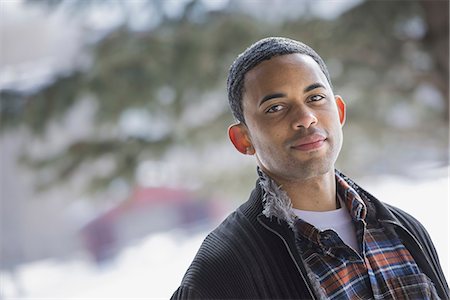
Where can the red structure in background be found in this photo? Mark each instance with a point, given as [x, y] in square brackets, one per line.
[147, 210]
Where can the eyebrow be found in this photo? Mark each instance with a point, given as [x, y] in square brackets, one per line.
[271, 96]
[313, 86]
[307, 89]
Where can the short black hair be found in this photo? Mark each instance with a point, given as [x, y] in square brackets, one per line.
[262, 50]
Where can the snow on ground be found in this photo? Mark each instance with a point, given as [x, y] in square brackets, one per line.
[150, 269]
[153, 267]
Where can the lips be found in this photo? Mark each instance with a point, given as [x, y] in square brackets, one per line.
[309, 142]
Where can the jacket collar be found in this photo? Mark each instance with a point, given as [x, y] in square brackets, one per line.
[276, 202]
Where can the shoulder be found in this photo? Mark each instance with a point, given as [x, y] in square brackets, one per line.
[407, 220]
[186, 292]
[225, 261]
[414, 227]
[232, 242]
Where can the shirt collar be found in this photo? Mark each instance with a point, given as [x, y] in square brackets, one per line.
[352, 200]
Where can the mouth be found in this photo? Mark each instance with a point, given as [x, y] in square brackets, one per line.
[310, 142]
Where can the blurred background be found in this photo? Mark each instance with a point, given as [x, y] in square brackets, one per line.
[115, 162]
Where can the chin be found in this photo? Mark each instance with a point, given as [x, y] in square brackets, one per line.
[299, 169]
[313, 169]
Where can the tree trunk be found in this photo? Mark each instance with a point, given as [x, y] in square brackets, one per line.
[437, 41]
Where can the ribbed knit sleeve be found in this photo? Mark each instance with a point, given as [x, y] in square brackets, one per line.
[185, 293]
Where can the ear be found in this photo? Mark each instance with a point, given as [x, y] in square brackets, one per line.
[238, 134]
[341, 108]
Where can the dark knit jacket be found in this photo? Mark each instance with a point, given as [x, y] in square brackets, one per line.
[250, 256]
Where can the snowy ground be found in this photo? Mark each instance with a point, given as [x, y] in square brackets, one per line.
[150, 269]
[153, 267]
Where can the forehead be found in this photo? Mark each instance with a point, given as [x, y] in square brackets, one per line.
[280, 70]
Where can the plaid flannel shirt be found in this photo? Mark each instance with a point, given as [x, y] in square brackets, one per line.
[381, 269]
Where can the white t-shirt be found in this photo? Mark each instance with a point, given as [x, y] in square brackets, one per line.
[338, 220]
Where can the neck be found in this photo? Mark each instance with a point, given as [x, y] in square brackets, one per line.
[313, 194]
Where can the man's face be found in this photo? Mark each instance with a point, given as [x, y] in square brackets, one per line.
[293, 120]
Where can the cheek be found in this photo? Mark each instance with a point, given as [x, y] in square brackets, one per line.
[338, 137]
[269, 136]
[266, 138]
[268, 146]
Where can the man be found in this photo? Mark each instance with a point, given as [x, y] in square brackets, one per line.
[307, 231]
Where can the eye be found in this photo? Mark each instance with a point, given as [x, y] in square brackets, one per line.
[274, 108]
[315, 98]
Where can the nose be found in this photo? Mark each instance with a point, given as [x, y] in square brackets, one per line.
[304, 117]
